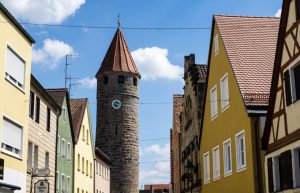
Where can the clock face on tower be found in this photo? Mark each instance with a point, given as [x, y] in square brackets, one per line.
[116, 104]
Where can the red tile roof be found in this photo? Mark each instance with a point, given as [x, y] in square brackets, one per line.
[157, 186]
[58, 94]
[118, 57]
[77, 110]
[250, 43]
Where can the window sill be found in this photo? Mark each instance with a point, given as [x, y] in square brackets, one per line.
[224, 108]
[11, 154]
[228, 174]
[11, 82]
[214, 117]
[217, 178]
[241, 169]
[207, 182]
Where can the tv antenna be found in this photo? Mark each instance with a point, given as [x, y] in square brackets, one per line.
[68, 78]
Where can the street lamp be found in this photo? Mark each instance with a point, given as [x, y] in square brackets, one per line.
[190, 172]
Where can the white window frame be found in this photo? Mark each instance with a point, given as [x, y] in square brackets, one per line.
[239, 165]
[214, 100]
[63, 181]
[224, 99]
[63, 146]
[3, 145]
[206, 168]
[64, 113]
[57, 181]
[216, 163]
[69, 151]
[276, 172]
[226, 143]
[9, 77]
[58, 145]
[216, 44]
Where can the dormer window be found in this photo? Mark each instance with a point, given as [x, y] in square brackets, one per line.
[105, 80]
[121, 79]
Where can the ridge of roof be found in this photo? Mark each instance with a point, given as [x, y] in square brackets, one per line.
[118, 57]
[245, 16]
[16, 23]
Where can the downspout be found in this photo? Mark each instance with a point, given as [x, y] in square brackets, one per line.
[258, 156]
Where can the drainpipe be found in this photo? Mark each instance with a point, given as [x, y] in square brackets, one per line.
[258, 163]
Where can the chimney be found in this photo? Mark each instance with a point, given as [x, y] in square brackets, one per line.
[188, 61]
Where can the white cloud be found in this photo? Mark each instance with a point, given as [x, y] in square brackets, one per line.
[153, 64]
[43, 11]
[163, 153]
[52, 52]
[88, 82]
[159, 175]
[278, 13]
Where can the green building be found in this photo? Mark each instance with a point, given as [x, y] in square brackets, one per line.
[64, 147]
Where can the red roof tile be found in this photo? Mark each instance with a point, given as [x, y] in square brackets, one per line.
[250, 43]
[118, 57]
[77, 110]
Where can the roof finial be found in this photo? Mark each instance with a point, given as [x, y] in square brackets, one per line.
[119, 21]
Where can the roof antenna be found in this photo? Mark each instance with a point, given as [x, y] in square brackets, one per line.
[119, 21]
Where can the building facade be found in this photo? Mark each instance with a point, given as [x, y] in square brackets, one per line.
[175, 144]
[236, 101]
[15, 70]
[64, 144]
[282, 133]
[41, 152]
[102, 172]
[83, 146]
[117, 115]
[190, 120]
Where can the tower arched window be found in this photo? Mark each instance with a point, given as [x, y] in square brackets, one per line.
[105, 79]
[121, 79]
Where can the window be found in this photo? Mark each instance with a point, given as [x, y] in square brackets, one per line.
[37, 110]
[63, 146]
[240, 151]
[121, 79]
[206, 168]
[47, 160]
[69, 151]
[87, 136]
[87, 167]
[78, 190]
[15, 68]
[29, 157]
[58, 145]
[83, 131]
[91, 168]
[280, 172]
[82, 165]
[227, 157]
[297, 9]
[216, 163]
[31, 104]
[36, 157]
[134, 81]
[63, 183]
[12, 138]
[216, 44]
[224, 92]
[100, 168]
[96, 165]
[105, 80]
[78, 162]
[69, 185]
[292, 84]
[57, 181]
[296, 167]
[213, 102]
[48, 118]
[64, 113]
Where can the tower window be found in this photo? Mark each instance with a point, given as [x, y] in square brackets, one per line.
[121, 79]
[134, 81]
[105, 80]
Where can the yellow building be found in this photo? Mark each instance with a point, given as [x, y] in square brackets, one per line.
[83, 146]
[282, 133]
[240, 67]
[15, 70]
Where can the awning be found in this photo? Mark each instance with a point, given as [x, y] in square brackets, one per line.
[9, 186]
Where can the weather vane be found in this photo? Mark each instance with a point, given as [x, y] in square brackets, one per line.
[119, 21]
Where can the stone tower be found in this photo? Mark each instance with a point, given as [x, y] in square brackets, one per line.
[117, 115]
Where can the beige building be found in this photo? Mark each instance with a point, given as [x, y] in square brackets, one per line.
[83, 146]
[282, 133]
[102, 172]
[15, 70]
[43, 113]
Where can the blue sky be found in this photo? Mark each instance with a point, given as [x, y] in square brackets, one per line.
[163, 51]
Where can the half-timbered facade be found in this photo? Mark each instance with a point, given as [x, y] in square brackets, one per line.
[282, 133]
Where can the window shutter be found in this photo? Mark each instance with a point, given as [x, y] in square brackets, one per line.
[287, 85]
[12, 134]
[15, 66]
[286, 171]
[297, 81]
[270, 175]
[37, 112]
[297, 9]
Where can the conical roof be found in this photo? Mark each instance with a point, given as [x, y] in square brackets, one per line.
[118, 57]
